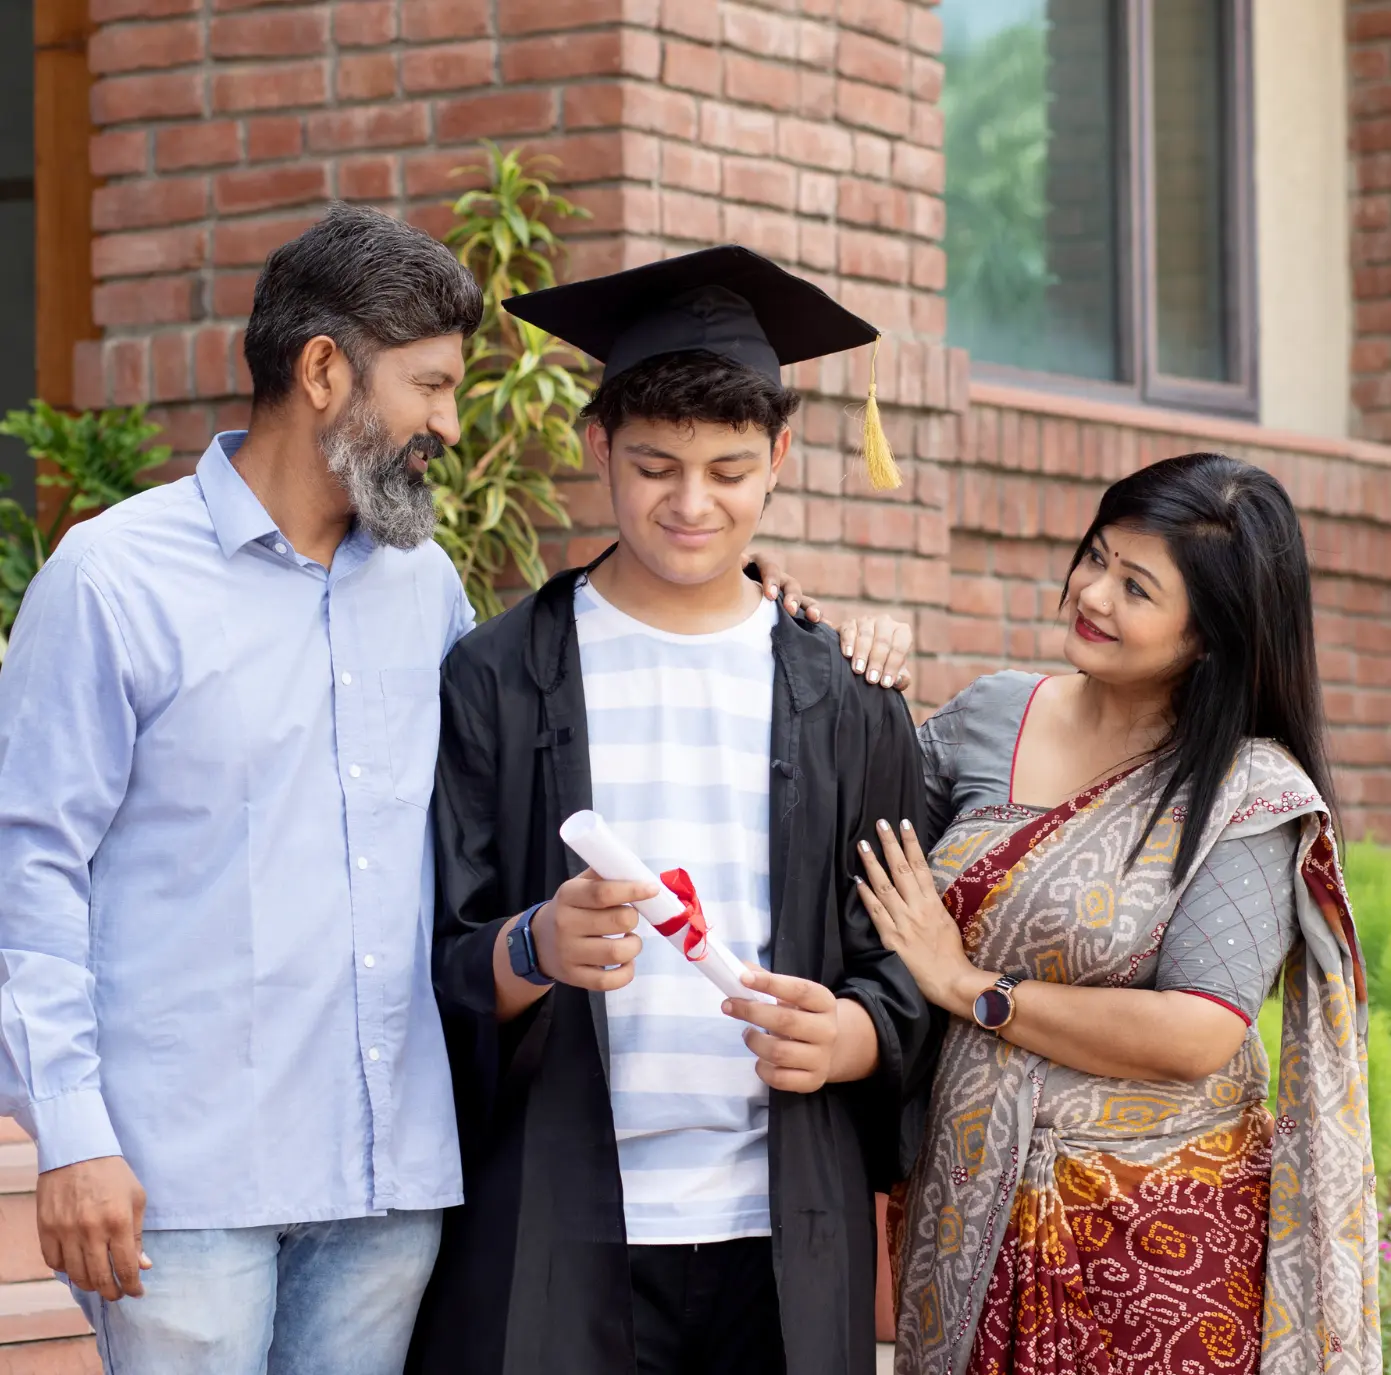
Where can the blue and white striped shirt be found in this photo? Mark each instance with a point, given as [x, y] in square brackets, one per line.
[679, 735]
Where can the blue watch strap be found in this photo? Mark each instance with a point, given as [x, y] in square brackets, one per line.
[521, 949]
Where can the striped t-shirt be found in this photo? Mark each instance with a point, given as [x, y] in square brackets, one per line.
[679, 735]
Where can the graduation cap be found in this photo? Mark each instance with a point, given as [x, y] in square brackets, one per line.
[728, 301]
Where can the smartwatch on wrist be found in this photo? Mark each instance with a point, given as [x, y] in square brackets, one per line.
[521, 950]
[994, 1009]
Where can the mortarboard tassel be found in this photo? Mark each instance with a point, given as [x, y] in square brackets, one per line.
[879, 457]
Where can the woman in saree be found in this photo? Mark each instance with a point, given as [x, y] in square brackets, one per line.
[1127, 858]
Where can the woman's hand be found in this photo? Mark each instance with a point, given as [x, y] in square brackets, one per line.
[1119, 1033]
[911, 921]
[877, 646]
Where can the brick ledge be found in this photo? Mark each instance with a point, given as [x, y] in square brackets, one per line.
[1208, 427]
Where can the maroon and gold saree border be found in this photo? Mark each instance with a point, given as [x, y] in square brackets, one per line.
[968, 893]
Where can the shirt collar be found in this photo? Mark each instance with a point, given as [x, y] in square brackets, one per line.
[237, 517]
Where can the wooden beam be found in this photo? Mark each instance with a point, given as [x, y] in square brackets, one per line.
[61, 23]
[63, 186]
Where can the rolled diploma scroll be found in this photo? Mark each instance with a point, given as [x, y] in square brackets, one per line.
[588, 835]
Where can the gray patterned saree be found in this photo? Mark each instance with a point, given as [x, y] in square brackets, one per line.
[1058, 1223]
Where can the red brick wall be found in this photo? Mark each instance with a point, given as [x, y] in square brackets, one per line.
[1369, 78]
[806, 128]
[226, 124]
[1028, 472]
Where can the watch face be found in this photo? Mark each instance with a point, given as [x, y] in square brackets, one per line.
[992, 1009]
[518, 954]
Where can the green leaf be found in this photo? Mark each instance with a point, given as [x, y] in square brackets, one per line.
[98, 459]
[522, 391]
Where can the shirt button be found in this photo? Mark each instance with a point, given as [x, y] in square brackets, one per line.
[347, 680]
[370, 961]
[280, 549]
[362, 861]
[354, 772]
[374, 1054]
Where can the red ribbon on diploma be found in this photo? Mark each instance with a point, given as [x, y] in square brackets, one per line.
[692, 919]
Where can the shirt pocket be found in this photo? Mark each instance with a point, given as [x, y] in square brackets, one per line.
[411, 697]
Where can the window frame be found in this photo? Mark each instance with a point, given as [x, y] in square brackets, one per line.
[1137, 345]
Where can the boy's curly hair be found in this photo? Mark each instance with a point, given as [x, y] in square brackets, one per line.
[690, 387]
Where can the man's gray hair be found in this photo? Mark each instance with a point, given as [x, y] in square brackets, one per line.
[366, 281]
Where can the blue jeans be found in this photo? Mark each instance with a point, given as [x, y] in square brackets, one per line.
[316, 1298]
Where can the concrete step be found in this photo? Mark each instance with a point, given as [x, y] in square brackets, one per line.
[70, 1356]
[42, 1330]
[20, 1256]
[36, 1310]
[19, 1167]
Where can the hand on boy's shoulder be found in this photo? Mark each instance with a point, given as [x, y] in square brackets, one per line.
[878, 646]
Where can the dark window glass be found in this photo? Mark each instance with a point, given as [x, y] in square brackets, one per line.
[1031, 240]
[17, 375]
[1190, 177]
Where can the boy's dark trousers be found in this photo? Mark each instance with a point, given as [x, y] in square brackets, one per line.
[707, 1310]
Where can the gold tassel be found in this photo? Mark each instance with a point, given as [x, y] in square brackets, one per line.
[879, 457]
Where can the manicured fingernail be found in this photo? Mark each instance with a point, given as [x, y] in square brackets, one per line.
[146, 1262]
[859, 665]
[884, 826]
[872, 676]
[859, 882]
[907, 825]
[845, 650]
[814, 614]
[864, 847]
[772, 589]
[792, 608]
[887, 683]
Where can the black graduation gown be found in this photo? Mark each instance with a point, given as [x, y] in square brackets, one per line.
[533, 1275]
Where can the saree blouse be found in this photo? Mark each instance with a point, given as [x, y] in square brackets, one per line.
[1234, 925]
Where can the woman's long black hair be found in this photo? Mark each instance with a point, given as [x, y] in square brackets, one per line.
[1233, 533]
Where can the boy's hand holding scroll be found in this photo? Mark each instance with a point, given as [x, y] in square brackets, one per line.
[809, 1037]
[586, 935]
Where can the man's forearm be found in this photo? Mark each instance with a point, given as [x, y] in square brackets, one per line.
[513, 994]
[856, 1054]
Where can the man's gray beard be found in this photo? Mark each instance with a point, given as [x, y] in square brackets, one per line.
[392, 504]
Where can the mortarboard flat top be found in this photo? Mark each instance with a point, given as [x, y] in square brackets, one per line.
[728, 300]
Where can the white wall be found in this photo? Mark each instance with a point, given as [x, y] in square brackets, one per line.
[1304, 278]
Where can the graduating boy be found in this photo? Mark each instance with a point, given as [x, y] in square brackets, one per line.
[660, 1179]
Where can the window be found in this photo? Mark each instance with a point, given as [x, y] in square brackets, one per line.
[1098, 210]
[16, 236]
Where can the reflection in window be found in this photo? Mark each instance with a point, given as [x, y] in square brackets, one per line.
[1031, 238]
[1096, 155]
[1189, 180]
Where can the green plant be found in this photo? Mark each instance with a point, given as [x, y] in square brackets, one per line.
[97, 460]
[521, 395]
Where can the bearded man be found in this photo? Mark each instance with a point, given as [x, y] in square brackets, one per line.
[218, 724]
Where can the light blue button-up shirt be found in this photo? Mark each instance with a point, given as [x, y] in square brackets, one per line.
[216, 879]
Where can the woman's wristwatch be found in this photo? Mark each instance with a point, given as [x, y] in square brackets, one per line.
[994, 1009]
